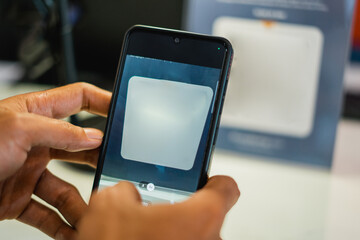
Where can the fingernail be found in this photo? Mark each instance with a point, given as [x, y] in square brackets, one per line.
[92, 133]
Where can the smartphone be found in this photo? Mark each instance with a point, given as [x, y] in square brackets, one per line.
[164, 113]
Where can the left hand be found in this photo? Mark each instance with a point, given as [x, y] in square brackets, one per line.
[31, 135]
[117, 213]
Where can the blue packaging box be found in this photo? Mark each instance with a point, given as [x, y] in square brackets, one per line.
[285, 91]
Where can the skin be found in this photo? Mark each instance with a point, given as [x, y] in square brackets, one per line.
[199, 218]
[33, 133]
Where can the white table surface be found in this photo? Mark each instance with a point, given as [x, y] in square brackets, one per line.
[279, 200]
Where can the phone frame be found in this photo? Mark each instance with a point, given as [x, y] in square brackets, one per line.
[218, 105]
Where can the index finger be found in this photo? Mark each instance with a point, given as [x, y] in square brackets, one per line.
[64, 101]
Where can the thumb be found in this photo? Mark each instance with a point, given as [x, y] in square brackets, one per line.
[222, 188]
[122, 192]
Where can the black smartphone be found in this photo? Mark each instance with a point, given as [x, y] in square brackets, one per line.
[164, 113]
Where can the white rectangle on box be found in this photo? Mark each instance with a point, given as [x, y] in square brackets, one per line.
[274, 79]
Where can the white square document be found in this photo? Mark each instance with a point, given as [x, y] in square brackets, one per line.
[274, 77]
[164, 121]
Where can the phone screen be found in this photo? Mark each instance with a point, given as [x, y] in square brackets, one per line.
[162, 115]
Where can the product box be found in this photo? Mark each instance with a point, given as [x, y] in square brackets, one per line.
[284, 96]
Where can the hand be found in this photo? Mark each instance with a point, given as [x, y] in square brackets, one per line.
[32, 135]
[117, 213]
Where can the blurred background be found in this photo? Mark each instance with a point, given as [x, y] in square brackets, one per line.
[47, 43]
[33, 33]
[47, 48]
[58, 42]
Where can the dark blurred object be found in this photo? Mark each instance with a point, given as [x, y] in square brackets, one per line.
[12, 29]
[39, 32]
[21, 25]
[352, 98]
[356, 35]
[352, 106]
[32, 31]
[99, 33]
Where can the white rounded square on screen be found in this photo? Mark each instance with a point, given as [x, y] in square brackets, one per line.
[164, 121]
[274, 78]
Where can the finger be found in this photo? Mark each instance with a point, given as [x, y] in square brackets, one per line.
[225, 187]
[89, 157]
[62, 195]
[122, 192]
[128, 191]
[65, 101]
[221, 192]
[53, 133]
[47, 221]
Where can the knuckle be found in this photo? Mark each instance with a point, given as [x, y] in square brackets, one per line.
[85, 89]
[77, 131]
[72, 132]
[44, 218]
[67, 126]
[35, 102]
[15, 120]
[16, 124]
[65, 196]
[82, 85]
[42, 97]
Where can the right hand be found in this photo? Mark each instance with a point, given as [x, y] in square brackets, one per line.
[117, 213]
[32, 134]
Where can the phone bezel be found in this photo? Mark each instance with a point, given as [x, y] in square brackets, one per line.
[220, 95]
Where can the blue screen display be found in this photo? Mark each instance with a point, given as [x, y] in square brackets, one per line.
[162, 108]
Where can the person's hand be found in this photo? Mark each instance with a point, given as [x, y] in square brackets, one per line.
[31, 135]
[117, 213]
